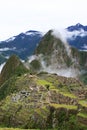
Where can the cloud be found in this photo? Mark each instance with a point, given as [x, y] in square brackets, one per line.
[84, 48]
[4, 49]
[72, 35]
[10, 39]
[61, 36]
[66, 72]
[7, 49]
[1, 66]
[55, 66]
[31, 58]
[21, 15]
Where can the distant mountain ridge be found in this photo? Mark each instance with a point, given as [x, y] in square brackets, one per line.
[22, 45]
[25, 44]
[77, 27]
[78, 37]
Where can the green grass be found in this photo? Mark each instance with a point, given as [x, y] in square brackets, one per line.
[68, 94]
[52, 87]
[83, 126]
[83, 103]
[83, 115]
[43, 112]
[44, 83]
[52, 79]
[64, 106]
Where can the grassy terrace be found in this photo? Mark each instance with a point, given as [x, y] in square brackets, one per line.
[52, 87]
[68, 94]
[44, 83]
[83, 103]
[64, 106]
[83, 115]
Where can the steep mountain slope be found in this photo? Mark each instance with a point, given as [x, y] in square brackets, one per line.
[2, 59]
[58, 57]
[77, 36]
[22, 45]
[77, 27]
[13, 67]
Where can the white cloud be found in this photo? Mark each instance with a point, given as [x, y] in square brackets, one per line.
[85, 46]
[71, 35]
[21, 15]
[1, 66]
[6, 49]
[62, 37]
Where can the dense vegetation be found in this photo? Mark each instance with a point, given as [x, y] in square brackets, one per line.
[13, 67]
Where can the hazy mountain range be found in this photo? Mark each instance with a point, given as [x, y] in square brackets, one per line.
[24, 44]
[77, 36]
[49, 89]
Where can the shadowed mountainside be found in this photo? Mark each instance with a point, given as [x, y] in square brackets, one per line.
[13, 67]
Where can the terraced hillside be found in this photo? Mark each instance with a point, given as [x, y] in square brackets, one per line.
[33, 99]
[43, 101]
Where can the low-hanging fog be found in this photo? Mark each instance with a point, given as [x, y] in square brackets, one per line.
[55, 66]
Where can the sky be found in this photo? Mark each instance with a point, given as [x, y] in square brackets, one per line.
[18, 16]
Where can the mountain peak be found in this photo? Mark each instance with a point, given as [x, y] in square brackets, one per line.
[78, 24]
[77, 27]
[22, 44]
[12, 67]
